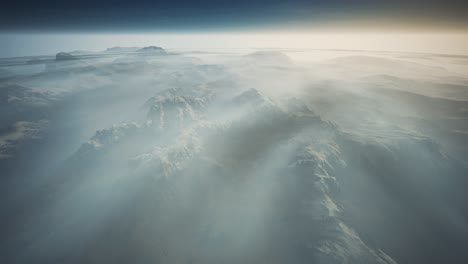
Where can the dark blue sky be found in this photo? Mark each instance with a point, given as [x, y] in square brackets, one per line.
[206, 15]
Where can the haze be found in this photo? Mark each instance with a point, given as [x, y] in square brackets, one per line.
[233, 132]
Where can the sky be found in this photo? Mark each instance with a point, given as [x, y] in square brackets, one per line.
[216, 15]
[30, 27]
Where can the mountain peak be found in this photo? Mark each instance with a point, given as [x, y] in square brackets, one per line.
[64, 56]
[152, 49]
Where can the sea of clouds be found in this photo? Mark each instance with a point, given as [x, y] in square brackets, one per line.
[146, 155]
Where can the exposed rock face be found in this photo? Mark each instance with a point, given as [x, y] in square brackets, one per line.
[21, 97]
[63, 56]
[18, 133]
[151, 48]
[174, 107]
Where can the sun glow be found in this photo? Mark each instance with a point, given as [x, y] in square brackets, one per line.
[443, 43]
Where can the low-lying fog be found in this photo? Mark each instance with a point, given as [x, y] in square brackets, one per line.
[142, 155]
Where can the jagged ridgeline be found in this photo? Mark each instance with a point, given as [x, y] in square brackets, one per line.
[141, 155]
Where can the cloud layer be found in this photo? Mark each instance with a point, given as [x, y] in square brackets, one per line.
[203, 157]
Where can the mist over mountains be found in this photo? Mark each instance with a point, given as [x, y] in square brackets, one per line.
[141, 155]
